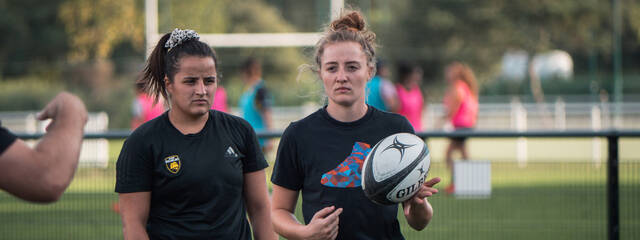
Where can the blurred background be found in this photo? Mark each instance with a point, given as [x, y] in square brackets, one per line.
[540, 65]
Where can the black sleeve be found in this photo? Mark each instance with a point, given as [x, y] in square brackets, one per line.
[253, 159]
[6, 139]
[263, 98]
[407, 127]
[134, 169]
[287, 171]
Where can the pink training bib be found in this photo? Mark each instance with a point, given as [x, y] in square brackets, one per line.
[411, 105]
[149, 111]
[220, 100]
[467, 113]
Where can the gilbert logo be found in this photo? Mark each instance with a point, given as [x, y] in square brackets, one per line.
[173, 163]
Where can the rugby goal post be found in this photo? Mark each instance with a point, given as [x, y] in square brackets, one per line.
[238, 39]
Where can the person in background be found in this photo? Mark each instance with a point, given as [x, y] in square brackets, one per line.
[256, 101]
[193, 172]
[380, 91]
[321, 155]
[41, 174]
[144, 108]
[220, 100]
[411, 101]
[461, 102]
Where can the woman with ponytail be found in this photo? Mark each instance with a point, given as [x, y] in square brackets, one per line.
[322, 154]
[191, 173]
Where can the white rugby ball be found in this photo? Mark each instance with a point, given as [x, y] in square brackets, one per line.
[395, 168]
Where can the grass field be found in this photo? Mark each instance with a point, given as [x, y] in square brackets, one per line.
[557, 197]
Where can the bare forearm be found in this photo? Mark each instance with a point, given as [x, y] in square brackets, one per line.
[261, 223]
[268, 120]
[420, 216]
[286, 224]
[134, 232]
[134, 211]
[58, 151]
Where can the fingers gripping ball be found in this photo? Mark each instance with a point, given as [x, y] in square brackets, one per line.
[395, 168]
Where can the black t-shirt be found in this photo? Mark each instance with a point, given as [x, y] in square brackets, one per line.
[323, 158]
[196, 180]
[6, 139]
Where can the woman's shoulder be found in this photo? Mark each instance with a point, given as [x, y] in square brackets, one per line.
[228, 119]
[310, 121]
[389, 118]
[148, 129]
[385, 114]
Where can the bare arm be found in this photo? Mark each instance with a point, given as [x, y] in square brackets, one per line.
[417, 210]
[258, 206]
[266, 115]
[454, 105]
[324, 224]
[268, 119]
[452, 102]
[43, 173]
[134, 210]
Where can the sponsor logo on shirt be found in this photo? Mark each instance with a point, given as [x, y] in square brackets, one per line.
[173, 163]
[231, 153]
[233, 156]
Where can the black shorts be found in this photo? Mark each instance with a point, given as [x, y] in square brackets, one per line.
[460, 130]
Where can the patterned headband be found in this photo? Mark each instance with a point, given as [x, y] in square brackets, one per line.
[179, 36]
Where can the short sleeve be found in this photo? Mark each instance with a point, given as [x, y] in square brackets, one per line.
[405, 125]
[287, 171]
[253, 158]
[134, 169]
[6, 139]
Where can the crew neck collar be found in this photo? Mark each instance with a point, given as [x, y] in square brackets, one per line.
[360, 121]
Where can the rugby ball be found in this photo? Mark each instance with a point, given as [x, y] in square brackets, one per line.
[395, 168]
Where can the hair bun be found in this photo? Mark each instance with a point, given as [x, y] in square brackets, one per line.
[352, 21]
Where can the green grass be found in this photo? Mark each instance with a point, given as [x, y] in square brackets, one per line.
[550, 198]
[541, 201]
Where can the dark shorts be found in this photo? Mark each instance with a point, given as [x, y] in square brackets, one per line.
[460, 130]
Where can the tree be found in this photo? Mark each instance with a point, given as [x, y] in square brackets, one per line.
[95, 27]
[479, 32]
[32, 38]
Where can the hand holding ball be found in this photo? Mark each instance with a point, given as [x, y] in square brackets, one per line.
[395, 169]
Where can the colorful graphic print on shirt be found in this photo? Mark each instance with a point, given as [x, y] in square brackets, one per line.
[347, 174]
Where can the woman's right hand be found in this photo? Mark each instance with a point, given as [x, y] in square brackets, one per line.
[324, 224]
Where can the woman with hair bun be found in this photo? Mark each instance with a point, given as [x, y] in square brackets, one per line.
[191, 173]
[322, 154]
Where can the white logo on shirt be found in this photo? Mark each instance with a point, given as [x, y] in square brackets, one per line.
[230, 153]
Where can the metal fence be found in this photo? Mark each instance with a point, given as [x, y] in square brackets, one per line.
[550, 199]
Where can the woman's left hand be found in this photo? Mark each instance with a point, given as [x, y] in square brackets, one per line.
[419, 199]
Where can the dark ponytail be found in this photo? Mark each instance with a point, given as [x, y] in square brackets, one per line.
[163, 62]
